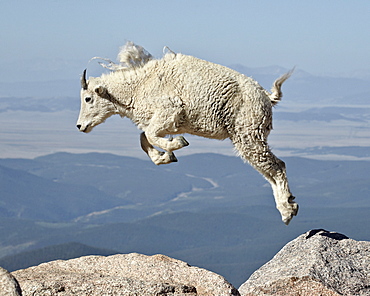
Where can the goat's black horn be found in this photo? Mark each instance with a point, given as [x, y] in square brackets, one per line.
[83, 80]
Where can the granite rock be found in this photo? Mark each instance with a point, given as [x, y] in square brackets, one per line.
[122, 274]
[8, 284]
[316, 263]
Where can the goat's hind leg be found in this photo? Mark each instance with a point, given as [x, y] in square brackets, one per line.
[158, 157]
[283, 197]
[259, 155]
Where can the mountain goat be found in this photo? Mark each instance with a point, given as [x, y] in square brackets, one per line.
[182, 94]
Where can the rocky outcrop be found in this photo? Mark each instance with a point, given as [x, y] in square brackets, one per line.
[8, 284]
[316, 263]
[130, 274]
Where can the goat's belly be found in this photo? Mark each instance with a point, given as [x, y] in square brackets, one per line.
[205, 123]
[216, 136]
[211, 132]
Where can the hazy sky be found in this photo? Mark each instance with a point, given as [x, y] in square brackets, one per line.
[321, 37]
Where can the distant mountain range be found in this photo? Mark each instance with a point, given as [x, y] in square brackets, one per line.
[98, 188]
[210, 210]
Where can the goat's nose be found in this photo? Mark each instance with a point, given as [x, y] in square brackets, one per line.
[79, 126]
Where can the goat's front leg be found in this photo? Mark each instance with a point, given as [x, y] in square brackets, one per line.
[158, 157]
[168, 145]
[162, 124]
[158, 129]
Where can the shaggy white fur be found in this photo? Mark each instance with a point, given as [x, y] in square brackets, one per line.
[182, 94]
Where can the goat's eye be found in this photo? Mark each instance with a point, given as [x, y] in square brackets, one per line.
[88, 99]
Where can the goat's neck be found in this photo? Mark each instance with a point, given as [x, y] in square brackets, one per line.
[121, 92]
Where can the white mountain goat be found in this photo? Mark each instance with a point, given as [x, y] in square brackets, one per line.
[182, 94]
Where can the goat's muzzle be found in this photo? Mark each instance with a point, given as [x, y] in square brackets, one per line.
[79, 126]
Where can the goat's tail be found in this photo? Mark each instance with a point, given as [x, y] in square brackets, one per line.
[276, 93]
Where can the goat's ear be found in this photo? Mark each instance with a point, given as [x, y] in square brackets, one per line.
[102, 92]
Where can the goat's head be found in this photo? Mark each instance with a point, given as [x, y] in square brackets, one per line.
[96, 104]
